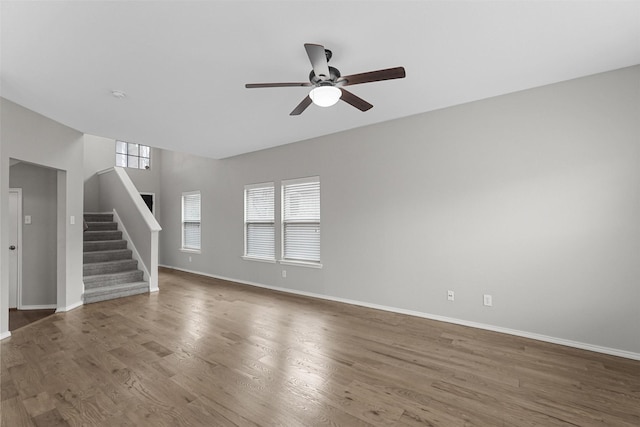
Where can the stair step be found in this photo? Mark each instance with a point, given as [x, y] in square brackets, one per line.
[99, 268]
[109, 272]
[101, 225]
[102, 235]
[104, 245]
[115, 291]
[102, 280]
[98, 217]
[108, 255]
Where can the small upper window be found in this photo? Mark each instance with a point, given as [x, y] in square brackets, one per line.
[129, 155]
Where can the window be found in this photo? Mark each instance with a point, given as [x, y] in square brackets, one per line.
[301, 220]
[130, 155]
[259, 221]
[191, 221]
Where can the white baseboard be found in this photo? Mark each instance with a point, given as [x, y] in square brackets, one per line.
[38, 307]
[69, 307]
[4, 335]
[524, 334]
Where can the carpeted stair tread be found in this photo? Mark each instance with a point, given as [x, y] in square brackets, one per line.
[104, 245]
[100, 280]
[107, 267]
[90, 236]
[106, 255]
[98, 217]
[115, 291]
[102, 225]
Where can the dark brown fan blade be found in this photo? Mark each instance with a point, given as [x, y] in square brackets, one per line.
[318, 59]
[301, 107]
[258, 85]
[372, 76]
[356, 101]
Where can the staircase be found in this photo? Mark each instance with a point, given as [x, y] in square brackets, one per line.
[109, 271]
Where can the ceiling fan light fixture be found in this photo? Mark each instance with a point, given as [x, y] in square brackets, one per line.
[325, 96]
[327, 83]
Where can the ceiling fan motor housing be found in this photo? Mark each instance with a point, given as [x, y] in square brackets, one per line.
[334, 75]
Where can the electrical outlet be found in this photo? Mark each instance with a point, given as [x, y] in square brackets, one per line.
[488, 300]
[450, 295]
[284, 273]
[189, 258]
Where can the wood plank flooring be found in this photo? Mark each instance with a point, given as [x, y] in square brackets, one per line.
[20, 318]
[205, 352]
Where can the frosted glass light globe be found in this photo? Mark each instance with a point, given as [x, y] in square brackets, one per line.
[325, 96]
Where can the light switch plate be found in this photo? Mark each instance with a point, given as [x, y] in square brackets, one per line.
[27, 219]
[488, 300]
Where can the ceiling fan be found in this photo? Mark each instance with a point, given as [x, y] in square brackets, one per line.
[328, 84]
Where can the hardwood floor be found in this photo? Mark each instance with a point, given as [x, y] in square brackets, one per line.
[20, 318]
[205, 352]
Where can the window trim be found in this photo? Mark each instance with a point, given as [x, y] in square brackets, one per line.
[310, 264]
[245, 255]
[290, 261]
[184, 248]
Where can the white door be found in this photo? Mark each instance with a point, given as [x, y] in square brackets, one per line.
[15, 214]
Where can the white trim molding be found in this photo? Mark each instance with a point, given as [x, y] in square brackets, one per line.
[251, 258]
[5, 335]
[190, 251]
[39, 307]
[69, 307]
[300, 263]
[508, 331]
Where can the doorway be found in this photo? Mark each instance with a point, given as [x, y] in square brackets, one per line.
[33, 232]
[149, 200]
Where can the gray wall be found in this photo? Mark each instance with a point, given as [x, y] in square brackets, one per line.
[99, 154]
[30, 137]
[531, 197]
[39, 239]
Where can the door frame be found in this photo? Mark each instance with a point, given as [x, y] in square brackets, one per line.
[18, 191]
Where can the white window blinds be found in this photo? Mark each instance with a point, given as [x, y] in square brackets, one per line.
[259, 221]
[191, 220]
[301, 219]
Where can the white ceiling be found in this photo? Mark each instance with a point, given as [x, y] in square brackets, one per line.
[183, 64]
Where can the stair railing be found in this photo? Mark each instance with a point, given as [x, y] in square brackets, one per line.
[119, 195]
